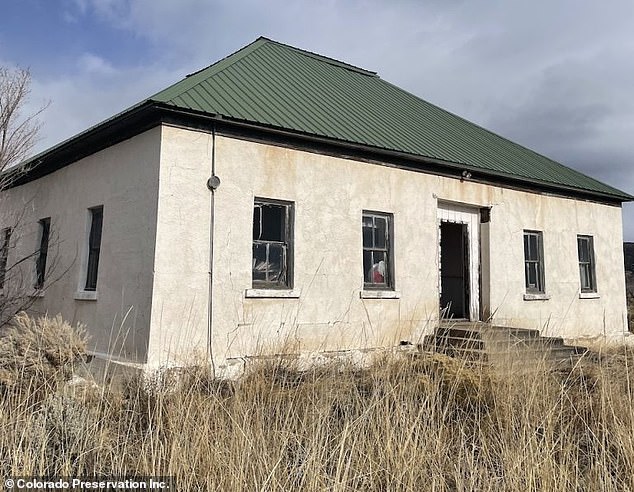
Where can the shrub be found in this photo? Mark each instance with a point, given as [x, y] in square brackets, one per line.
[39, 353]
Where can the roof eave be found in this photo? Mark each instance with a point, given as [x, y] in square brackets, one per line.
[126, 124]
[150, 113]
[480, 173]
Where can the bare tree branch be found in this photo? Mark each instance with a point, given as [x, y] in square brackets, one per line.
[18, 132]
[18, 135]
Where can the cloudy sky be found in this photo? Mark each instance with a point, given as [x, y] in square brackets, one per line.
[554, 75]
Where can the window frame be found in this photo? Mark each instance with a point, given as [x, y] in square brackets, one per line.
[387, 251]
[5, 239]
[590, 264]
[287, 244]
[42, 252]
[540, 287]
[92, 252]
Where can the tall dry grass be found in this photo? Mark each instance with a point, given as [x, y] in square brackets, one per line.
[404, 423]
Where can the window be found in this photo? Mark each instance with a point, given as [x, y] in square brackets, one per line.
[40, 261]
[272, 244]
[94, 248]
[377, 251]
[5, 236]
[585, 249]
[534, 262]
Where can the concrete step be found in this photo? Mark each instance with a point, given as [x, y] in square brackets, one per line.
[500, 345]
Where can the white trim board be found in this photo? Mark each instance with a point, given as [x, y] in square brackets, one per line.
[450, 212]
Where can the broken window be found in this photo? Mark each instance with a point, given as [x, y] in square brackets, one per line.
[377, 250]
[94, 247]
[272, 244]
[5, 236]
[42, 253]
[585, 250]
[534, 262]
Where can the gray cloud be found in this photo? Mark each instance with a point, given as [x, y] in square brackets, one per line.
[554, 76]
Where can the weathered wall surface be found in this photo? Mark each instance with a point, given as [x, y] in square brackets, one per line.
[561, 220]
[124, 179]
[155, 250]
[329, 195]
[181, 267]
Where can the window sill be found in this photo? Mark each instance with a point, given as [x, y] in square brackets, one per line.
[85, 295]
[536, 297]
[272, 293]
[380, 294]
[589, 295]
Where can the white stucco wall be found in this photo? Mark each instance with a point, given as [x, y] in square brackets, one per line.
[124, 179]
[155, 254]
[561, 220]
[181, 265]
[329, 195]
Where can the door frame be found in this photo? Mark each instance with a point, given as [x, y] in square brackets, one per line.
[470, 216]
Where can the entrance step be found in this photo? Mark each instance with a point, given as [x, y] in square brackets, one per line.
[501, 346]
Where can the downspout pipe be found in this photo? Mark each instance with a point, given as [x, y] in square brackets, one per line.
[212, 184]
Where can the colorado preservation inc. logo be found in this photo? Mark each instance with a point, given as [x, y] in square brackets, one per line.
[15, 484]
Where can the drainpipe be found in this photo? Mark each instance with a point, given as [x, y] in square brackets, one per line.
[212, 184]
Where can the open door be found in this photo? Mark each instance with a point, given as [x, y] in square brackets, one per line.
[454, 270]
[459, 261]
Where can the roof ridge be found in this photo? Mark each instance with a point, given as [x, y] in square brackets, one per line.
[197, 77]
[237, 55]
[192, 79]
[325, 59]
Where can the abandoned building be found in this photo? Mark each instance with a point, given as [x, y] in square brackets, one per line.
[283, 200]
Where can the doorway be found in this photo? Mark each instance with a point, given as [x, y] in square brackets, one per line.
[459, 261]
[454, 270]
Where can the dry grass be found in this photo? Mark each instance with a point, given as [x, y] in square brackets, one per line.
[629, 284]
[421, 423]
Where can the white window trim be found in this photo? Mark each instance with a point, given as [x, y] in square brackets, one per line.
[272, 293]
[537, 297]
[85, 295]
[380, 294]
[589, 295]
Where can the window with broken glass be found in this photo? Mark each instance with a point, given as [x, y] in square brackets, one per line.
[534, 262]
[272, 244]
[377, 251]
[587, 275]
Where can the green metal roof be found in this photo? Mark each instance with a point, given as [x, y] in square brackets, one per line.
[277, 85]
